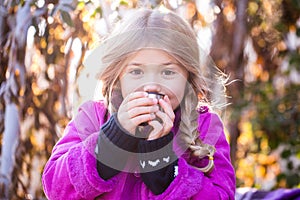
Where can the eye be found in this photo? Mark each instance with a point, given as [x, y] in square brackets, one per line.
[168, 72]
[136, 72]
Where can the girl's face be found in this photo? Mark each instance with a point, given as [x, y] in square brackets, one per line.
[153, 70]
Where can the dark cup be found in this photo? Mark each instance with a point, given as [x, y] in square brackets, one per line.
[153, 95]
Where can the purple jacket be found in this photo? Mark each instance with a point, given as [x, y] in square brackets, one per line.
[71, 170]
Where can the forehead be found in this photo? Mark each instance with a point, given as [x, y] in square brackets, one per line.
[150, 56]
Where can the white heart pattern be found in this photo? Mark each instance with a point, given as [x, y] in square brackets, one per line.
[175, 171]
[153, 163]
[167, 159]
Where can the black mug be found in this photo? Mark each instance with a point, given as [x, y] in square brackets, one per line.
[153, 95]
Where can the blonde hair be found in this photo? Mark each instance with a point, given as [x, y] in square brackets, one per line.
[169, 32]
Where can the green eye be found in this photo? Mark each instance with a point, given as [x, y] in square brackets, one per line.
[168, 72]
[136, 72]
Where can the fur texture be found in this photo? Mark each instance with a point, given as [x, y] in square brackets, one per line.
[71, 170]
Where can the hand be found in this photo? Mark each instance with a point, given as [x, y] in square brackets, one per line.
[167, 117]
[135, 109]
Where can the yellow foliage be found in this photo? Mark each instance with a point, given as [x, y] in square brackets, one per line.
[57, 105]
[246, 136]
[22, 92]
[33, 140]
[229, 12]
[58, 33]
[260, 171]
[50, 50]
[43, 43]
[267, 7]
[36, 101]
[264, 145]
[62, 49]
[245, 171]
[252, 7]
[80, 5]
[256, 69]
[265, 76]
[35, 89]
[29, 110]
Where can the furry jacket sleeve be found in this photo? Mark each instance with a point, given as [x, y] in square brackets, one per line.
[70, 173]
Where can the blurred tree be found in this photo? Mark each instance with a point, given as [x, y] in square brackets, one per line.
[37, 50]
[228, 53]
[257, 43]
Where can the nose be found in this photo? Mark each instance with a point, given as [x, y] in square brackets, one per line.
[152, 87]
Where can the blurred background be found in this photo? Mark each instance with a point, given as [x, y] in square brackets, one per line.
[43, 44]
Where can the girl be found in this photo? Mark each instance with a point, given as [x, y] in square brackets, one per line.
[154, 136]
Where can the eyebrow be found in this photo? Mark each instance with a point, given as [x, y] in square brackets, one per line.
[140, 64]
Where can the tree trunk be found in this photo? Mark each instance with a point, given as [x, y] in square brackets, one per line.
[236, 68]
[9, 143]
[234, 36]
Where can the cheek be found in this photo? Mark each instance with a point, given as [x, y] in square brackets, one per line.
[177, 95]
[128, 85]
[124, 89]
